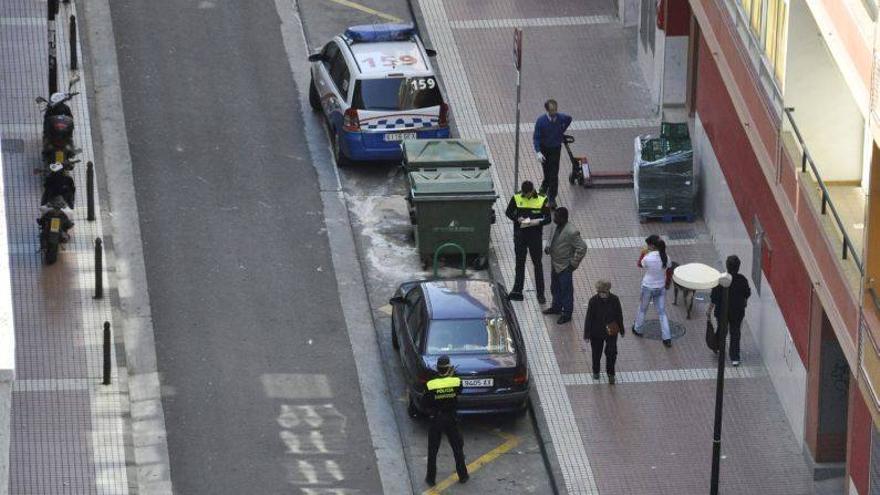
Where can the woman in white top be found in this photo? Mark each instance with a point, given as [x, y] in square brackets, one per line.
[654, 261]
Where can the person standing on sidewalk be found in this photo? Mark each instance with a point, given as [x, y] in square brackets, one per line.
[529, 212]
[442, 399]
[549, 131]
[736, 313]
[566, 251]
[603, 324]
[655, 261]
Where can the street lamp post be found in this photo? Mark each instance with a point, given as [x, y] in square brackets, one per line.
[697, 276]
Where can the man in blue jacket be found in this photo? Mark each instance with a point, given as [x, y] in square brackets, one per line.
[549, 131]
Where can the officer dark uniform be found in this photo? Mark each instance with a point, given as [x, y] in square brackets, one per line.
[442, 401]
[528, 204]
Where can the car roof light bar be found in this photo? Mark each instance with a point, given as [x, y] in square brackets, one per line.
[380, 32]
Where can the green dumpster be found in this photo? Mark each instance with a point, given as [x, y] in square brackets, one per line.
[443, 153]
[452, 205]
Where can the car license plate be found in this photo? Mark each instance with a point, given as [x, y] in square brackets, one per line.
[478, 382]
[400, 136]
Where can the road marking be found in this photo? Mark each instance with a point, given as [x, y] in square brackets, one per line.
[654, 376]
[296, 386]
[510, 441]
[364, 8]
[582, 20]
[578, 125]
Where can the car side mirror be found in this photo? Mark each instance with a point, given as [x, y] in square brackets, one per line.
[396, 300]
[431, 52]
[40, 99]
[316, 57]
[73, 80]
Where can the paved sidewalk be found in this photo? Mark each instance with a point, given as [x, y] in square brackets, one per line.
[68, 430]
[651, 433]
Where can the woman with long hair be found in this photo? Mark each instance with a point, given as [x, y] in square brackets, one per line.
[655, 262]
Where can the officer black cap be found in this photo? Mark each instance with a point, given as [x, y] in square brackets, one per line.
[442, 363]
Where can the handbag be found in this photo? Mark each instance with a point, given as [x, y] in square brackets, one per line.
[612, 328]
[711, 336]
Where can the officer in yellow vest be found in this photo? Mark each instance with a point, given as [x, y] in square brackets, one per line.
[529, 212]
[441, 402]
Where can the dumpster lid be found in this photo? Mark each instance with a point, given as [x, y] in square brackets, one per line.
[435, 153]
[446, 182]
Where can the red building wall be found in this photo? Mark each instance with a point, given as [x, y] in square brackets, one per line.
[859, 450]
[783, 266]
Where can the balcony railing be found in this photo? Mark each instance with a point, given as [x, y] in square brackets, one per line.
[848, 250]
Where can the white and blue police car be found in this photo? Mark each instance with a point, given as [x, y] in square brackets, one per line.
[376, 87]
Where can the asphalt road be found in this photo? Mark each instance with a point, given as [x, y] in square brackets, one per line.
[259, 388]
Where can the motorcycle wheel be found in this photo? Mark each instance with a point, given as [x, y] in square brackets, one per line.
[314, 97]
[50, 255]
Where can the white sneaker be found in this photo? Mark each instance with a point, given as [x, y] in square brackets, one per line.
[735, 363]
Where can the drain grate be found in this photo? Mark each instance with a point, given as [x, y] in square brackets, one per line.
[678, 235]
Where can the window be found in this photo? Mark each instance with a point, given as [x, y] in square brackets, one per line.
[491, 335]
[335, 64]
[768, 21]
[396, 93]
[413, 314]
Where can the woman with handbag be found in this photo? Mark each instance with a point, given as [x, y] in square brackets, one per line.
[603, 324]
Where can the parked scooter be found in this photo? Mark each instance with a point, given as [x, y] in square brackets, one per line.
[58, 126]
[55, 221]
[58, 183]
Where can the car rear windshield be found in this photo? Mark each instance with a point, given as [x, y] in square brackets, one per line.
[490, 336]
[397, 93]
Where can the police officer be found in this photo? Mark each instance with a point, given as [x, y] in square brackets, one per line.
[442, 400]
[529, 212]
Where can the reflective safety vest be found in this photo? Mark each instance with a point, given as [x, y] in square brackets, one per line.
[444, 387]
[534, 205]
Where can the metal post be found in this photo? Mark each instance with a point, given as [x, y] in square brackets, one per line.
[719, 389]
[53, 60]
[90, 192]
[516, 135]
[106, 353]
[99, 269]
[74, 61]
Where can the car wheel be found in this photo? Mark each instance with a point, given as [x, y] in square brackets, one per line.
[314, 97]
[394, 343]
[338, 156]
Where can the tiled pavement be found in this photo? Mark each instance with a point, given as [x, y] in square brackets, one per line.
[68, 430]
[651, 433]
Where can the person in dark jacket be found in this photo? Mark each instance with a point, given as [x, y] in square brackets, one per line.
[739, 295]
[603, 311]
[529, 213]
[549, 131]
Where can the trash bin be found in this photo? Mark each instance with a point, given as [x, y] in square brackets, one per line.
[452, 205]
[443, 153]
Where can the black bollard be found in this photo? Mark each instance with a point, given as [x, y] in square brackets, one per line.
[99, 268]
[74, 62]
[106, 353]
[90, 192]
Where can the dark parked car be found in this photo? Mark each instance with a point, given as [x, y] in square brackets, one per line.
[473, 323]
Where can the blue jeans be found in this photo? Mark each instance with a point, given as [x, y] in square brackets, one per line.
[659, 298]
[562, 290]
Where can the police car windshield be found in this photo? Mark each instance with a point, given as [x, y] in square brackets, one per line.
[398, 93]
[491, 336]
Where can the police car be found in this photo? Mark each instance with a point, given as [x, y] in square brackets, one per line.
[376, 87]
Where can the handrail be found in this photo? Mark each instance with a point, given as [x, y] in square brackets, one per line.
[826, 196]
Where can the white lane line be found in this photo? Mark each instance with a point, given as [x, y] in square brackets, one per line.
[582, 20]
[22, 21]
[567, 441]
[655, 376]
[630, 242]
[577, 125]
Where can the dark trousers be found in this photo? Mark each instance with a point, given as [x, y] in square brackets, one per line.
[528, 244]
[445, 424]
[562, 289]
[609, 344]
[735, 330]
[550, 184]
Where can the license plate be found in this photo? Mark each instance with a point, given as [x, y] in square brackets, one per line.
[400, 136]
[478, 382]
[55, 224]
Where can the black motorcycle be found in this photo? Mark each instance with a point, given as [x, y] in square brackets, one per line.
[58, 127]
[54, 223]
